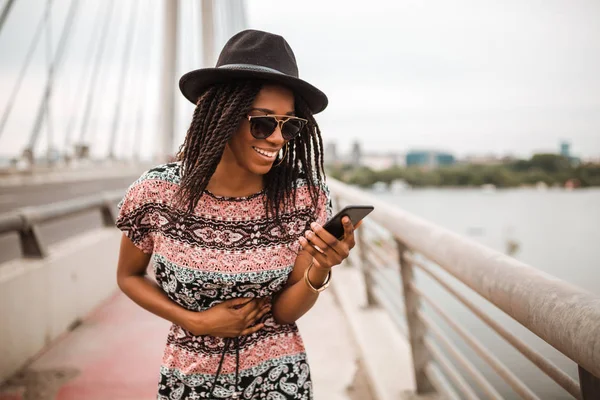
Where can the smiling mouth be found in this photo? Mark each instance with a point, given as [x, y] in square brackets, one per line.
[268, 154]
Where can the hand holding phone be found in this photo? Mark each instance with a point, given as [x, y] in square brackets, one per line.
[355, 212]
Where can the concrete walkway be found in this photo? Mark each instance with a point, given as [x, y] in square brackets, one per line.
[115, 354]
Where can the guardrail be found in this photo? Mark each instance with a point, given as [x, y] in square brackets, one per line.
[565, 316]
[26, 220]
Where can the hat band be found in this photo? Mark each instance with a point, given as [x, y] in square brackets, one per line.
[251, 67]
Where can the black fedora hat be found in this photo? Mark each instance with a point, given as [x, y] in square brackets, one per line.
[252, 54]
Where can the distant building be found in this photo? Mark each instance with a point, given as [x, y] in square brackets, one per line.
[565, 149]
[331, 154]
[356, 154]
[429, 159]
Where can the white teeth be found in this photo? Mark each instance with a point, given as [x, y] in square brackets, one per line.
[264, 153]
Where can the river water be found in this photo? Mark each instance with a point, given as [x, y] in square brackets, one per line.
[555, 230]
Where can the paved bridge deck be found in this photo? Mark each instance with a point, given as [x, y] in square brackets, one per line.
[115, 354]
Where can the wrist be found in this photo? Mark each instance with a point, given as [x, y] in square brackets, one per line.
[317, 275]
[181, 317]
[193, 321]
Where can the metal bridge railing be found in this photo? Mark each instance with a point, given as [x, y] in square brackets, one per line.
[26, 221]
[564, 316]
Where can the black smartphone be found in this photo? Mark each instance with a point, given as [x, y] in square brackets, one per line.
[354, 212]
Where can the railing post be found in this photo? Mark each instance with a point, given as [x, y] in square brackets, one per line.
[590, 384]
[108, 217]
[31, 242]
[365, 266]
[416, 328]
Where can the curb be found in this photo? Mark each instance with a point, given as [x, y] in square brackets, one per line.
[384, 351]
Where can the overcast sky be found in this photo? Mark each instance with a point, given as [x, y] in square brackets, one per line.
[469, 76]
[464, 76]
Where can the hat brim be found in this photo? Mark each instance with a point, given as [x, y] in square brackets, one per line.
[195, 82]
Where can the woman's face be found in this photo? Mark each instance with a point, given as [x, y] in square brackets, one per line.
[244, 148]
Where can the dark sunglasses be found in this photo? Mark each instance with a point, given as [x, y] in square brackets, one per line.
[263, 126]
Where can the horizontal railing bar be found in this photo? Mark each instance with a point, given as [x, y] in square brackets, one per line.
[383, 260]
[53, 211]
[459, 356]
[449, 369]
[20, 219]
[560, 377]
[440, 382]
[395, 293]
[385, 243]
[375, 234]
[11, 222]
[394, 313]
[565, 316]
[485, 354]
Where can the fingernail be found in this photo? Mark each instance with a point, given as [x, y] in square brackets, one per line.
[307, 234]
[314, 225]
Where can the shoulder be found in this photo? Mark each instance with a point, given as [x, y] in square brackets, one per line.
[156, 185]
[314, 194]
[169, 173]
[317, 186]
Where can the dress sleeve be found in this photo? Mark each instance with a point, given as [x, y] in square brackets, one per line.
[135, 217]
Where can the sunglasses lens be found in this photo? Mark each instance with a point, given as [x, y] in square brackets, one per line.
[291, 128]
[262, 127]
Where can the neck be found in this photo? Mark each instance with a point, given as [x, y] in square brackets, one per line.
[231, 180]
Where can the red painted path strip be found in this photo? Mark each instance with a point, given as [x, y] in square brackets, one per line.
[116, 351]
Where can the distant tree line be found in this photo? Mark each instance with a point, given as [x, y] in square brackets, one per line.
[551, 169]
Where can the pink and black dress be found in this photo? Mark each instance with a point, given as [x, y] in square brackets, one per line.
[227, 249]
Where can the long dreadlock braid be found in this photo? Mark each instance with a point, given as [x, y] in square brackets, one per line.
[304, 161]
[215, 121]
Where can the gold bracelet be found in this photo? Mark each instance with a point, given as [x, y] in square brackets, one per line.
[310, 286]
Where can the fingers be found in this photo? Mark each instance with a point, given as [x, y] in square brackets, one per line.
[251, 330]
[315, 240]
[348, 227]
[257, 314]
[340, 247]
[239, 302]
[319, 257]
[325, 236]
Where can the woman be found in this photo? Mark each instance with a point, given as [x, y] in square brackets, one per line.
[233, 228]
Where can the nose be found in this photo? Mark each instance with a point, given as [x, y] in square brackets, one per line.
[276, 138]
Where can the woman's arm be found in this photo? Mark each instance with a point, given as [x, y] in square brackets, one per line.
[296, 298]
[132, 280]
[235, 317]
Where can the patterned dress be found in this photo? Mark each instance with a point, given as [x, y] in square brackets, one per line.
[227, 249]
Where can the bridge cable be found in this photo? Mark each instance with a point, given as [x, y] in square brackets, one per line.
[194, 16]
[5, 12]
[131, 27]
[141, 95]
[91, 47]
[22, 71]
[94, 77]
[45, 108]
[53, 68]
